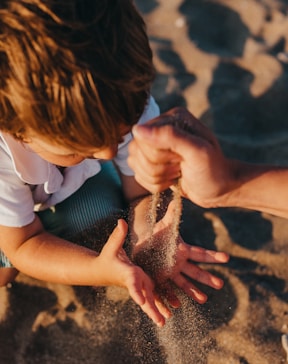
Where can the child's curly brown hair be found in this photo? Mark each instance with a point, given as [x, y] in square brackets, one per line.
[73, 70]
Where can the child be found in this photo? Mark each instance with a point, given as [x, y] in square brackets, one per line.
[75, 78]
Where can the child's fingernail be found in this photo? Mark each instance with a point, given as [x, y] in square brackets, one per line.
[167, 314]
[160, 324]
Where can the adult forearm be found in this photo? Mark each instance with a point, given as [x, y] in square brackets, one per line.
[259, 187]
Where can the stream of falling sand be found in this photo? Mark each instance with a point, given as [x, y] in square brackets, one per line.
[175, 337]
[171, 235]
[112, 320]
[169, 246]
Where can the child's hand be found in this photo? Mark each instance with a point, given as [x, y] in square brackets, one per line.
[118, 270]
[184, 267]
[154, 256]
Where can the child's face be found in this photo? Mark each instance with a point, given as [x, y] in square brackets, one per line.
[65, 157]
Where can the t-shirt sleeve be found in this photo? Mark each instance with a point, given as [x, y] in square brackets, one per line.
[16, 200]
[151, 111]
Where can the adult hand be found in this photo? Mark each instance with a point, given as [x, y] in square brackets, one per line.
[177, 146]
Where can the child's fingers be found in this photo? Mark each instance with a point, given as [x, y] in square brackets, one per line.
[167, 291]
[201, 255]
[136, 291]
[190, 289]
[202, 276]
[149, 302]
[163, 309]
[148, 306]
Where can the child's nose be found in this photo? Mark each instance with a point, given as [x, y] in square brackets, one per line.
[106, 153]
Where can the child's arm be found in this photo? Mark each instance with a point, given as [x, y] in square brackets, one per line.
[184, 254]
[47, 257]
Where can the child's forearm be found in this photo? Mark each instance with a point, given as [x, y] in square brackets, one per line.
[46, 257]
[49, 258]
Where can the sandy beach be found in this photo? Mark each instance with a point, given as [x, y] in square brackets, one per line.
[227, 62]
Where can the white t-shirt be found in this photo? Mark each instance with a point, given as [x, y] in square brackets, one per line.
[29, 183]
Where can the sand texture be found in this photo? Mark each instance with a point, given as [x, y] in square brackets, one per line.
[225, 60]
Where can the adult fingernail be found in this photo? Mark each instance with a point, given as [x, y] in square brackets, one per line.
[140, 130]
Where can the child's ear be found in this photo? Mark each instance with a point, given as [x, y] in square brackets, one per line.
[21, 137]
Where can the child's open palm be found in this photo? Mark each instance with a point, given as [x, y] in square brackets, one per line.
[154, 255]
[118, 270]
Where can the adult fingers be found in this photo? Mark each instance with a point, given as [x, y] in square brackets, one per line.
[182, 120]
[154, 172]
[143, 143]
[157, 141]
